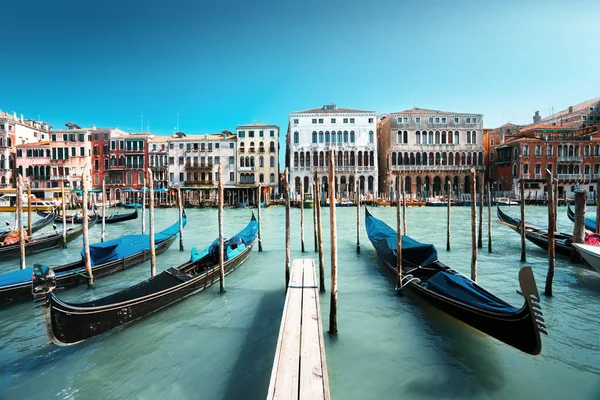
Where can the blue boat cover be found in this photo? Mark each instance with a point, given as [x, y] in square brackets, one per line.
[15, 277]
[128, 245]
[384, 240]
[233, 246]
[462, 289]
[196, 255]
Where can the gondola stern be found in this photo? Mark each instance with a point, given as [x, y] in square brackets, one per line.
[530, 292]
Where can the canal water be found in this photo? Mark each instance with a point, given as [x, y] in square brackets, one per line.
[221, 346]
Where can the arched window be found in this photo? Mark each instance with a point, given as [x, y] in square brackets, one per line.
[468, 137]
[129, 178]
[538, 150]
[587, 169]
[443, 137]
[405, 137]
[272, 162]
[261, 161]
[327, 138]
[332, 136]
[307, 159]
[141, 178]
[437, 137]
[474, 137]
[302, 159]
[352, 138]
[295, 159]
[252, 161]
[272, 147]
[314, 137]
[370, 136]
[456, 137]
[597, 150]
[418, 137]
[399, 137]
[272, 178]
[261, 178]
[393, 158]
[525, 150]
[430, 141]
[296, 138]
[321, 137]
[586, 150]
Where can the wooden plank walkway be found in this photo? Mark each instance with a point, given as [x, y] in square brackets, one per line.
[300, 368]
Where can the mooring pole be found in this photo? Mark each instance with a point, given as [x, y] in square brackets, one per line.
[597, 207]
[489, 210]
[259, 218]
[357, 219]
[143, 209]
[287, 227]
[221, 240]
[474, 226]
[20, 226]
[398, 232]
[64, 213]
[29, 216]
[551, 229]
[314, 196]
[333, 306]
[448, 191]
[102, 236]
[180, 209]
[522, 189]
[480, 231]
[320, 235]
[152, 244]
[86, 236]
[302, 216]
[405, 232]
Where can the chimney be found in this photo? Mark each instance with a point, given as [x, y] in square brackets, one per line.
[14, 115]
[536, 118]
[21, 118]
[93, 127]
[570, 109]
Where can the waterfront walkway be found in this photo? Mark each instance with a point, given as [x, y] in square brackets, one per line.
[300, 368]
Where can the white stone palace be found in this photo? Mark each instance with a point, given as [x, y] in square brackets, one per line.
[351, 133]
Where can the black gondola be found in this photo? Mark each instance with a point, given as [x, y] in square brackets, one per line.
[563, 242]
[109, 219]
[69, 323]
[43, 243]
[36, 226]
[113, 219]
[106, 258]
[428, 278]
[590, 223]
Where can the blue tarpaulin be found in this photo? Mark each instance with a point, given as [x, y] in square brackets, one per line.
[161, 190]
[128, 245]
[127, 190]
[461, 288]
[233, 246]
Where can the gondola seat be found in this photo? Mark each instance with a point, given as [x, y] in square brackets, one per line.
[183, 277]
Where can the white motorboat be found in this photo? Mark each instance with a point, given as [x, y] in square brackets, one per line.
[590, 253]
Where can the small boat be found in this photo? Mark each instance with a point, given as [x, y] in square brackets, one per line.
[345, 203]
[589, 253]
[43, 243]
[436, 202]
[36, 226]
[455, 294]
[132, 205]
[412, 202]
[242, 204]
[563, 242]
[106, 258]
[590, 223]
[8, 203]
[506, 201]
[383, 203]
[109, 219]
[70, 323]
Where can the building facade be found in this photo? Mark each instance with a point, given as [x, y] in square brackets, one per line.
[15, 131]
[430, 148]
[578, 116]
[158, 161]
[193, 160]
[258, 155]
[128, 162]
[350, 133]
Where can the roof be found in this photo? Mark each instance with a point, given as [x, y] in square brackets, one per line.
[419, 111]
[546, 127]
[576, 108]
[332, 109]
[35, 144]
[193, 138]
[257, 125]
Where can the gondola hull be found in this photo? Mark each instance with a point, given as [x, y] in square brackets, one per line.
[113, 219]
[69, 325]
[46, 220]
[590, 223]
[71, 275]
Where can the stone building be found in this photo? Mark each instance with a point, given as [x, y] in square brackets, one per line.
[158, 161]
[429, 148]
[15, 131]
[127, 164]
[258, 155]
[581, 115]
[351, 133]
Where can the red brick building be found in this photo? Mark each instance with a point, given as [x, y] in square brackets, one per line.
[572, 154]
[128, 161]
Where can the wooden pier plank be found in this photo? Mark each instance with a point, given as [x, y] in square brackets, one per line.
[299, 368]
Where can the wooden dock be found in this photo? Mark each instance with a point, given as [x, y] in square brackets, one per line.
[300, 368]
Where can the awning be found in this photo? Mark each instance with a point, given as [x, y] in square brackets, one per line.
[127, 190]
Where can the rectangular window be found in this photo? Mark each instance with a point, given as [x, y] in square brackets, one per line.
[351, 120]
[250, 133]
[73, 151]
[272, 133]
[345, 120]
[456, 120]
[231, 145]
[171, 146]
[181, 178]
[431, 120]
[418, 120]
[261, 133]
[241, 134]
[443, 120]
[320, 120]
[180, 161]
[231, 176]
[95, 137]
[473, 120]
[231, 160]
[295, 123]
[437, 120]
[370, 120]
[82, 137]
[399, 120]
[121, 145]
[171, 160]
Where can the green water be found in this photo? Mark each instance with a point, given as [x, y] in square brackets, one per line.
[221, 346]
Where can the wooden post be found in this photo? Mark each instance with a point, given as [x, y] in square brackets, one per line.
[143, 209]
[102, 236]
[287, 227]
[314, 196]
[221, 239]
[448, 191]
[555, 200]
[357, 219]
[480, 232]
[19, 214]
[398, 233]
[302, 216]
[522, 189]
[64, 213]
[404, 207]
[473, 225]
[259, 218]
[180, 209]
[333, 306]
[86, 236]
[551, 229]
[152, 245]
[320, 234]
[579, 226]
[489, 209]
[597, 207]
[29, 216]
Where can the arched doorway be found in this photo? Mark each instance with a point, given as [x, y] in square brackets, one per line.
[467, 184]
[419, 186]
[408, 185]
[437, 186]
[306, 184]
[361, 184]
[297, 182]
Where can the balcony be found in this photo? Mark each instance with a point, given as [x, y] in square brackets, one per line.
[198, 183]
[113, 181]
[434, 168]
[198, 167]
[569, 176]
[248, 183]
[40, 177]
[134, 166]
[247, 169]
[59, 177]
[570, 159]
[338, 168]
[261, 149]
[241, 150]
[525, 176]
[538, 176]
[587, 177]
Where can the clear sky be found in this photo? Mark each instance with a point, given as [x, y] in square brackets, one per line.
[223, 63]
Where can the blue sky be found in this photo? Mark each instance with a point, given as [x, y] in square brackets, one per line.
[220, 64]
